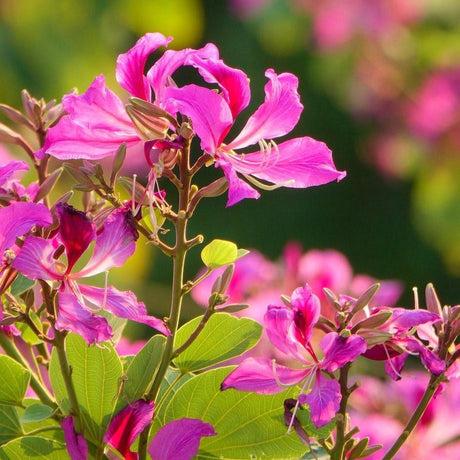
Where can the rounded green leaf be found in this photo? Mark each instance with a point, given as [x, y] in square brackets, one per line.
[33, 447]
[141, 371]
[219, 253]
[36, 413]
[14, 380]
[10, 426]
[223, 337]
[248, 425]
[96, 374]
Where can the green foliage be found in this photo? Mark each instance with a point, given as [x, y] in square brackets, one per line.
[96, 374]
[10, 425]
[248, 425]
[219, 253]
[141, 371]
[223, 337]
[36, 413]
[14, 380]
[33, 447]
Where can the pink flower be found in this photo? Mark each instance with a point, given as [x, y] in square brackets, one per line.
[298, 163]
[290, 330]
[114, 243]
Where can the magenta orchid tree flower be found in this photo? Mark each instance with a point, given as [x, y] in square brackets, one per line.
[298, 163]
[114, 243]
[290, 330]
[178, 440]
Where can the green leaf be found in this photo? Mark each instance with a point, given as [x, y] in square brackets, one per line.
[248, 425]
[303, 414]
[36, 413]
[21, 284]
[96, 374]
[174, 378]
[219, 253]
[223, 337]
[14, 380]
[141, 371]
[10, 426]
[33, 447]
[27, 334]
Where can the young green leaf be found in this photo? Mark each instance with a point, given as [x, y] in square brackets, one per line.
[14, 380]
[219, 253]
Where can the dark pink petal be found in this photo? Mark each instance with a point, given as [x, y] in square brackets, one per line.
[76, 230]
[306, 306]
[277, 116]
[6, 171]
[394, 366]
[258, 375]
[238, 189]
[73, 316]
[209, 112]
[160, 74]
[403, 320]
[123, 304]
[179, 439]
[115, 243]
[130, 65]
[18, 218]
[298, 163]
[432, 362]
[94, 128]
[127, 425]
[35, 260]
[339, 350]
[323, 399]
[233, 82]
[75, 443]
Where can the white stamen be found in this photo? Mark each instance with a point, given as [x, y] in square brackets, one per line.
[306, 385]
[390, 362]
[416, 303]
[263, 186]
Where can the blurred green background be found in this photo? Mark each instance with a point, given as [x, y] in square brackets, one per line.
[51, 47]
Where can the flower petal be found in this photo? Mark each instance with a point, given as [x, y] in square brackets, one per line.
[339, 351]
[323, 399]
[73, 316]
[277, 116]
[210, 113]
[6, 171]
[130, 65]
[75, 443]
[306, 306]
[115, 243]
[233, 82]
[123, 304]
[258, 375]
[297, 163]
[238, 189]
[35, 259]
[127, 425]
[94, 128]
[76, 230]
[18, 218]
[179, 439]
[159, 75]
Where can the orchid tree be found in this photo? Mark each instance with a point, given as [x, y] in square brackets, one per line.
[67, 390]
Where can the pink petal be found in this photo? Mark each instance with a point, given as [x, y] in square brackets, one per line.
[277, 322]
[127, 425]
[238, 189]
[115, 243]
[6, 171]
[94, 128]
[18, 218]
[233, 82]
[75, 443]
[130, 65]
[306, 306]
[257, 375]
[159, 75]
[73, 316]
[339, 351]
[394, 366]
[277, 116]
[123, 304]
[35, 260]
[76, 230]
[298, 163]
[429, 359]
[179, 439]
[323, 399]
[209, 112]
[403, 320]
